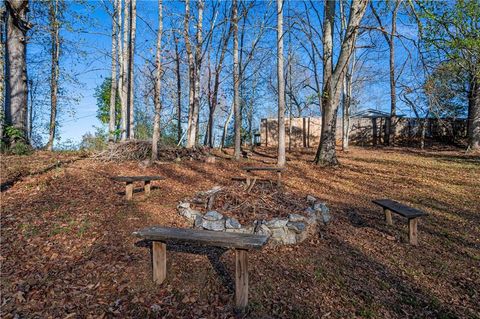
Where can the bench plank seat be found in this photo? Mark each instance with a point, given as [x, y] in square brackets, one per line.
[162, 236]
[127, 179]
[264, 168]
[203, 237]
[401, 209]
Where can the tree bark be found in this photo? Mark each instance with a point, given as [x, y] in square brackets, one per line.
[473, 127]
[2, 69]
[326, 153]
[281, 86]
[16, 84]
[191, 126]
[156, 98]
[55, 53]
[131, 69]
[179, 90]
[236, 85]
[113, 89]
[124, 66]
[198, 68]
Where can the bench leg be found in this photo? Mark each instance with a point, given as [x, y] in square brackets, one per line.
[146, 186]
[159, 261]
[241, 279]
[412, 231]
[129, 190]
[388, 216]
[279, 179]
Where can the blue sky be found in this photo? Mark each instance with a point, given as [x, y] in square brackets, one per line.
[96, 41]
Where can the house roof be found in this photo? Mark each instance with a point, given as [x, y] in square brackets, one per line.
[372, 113]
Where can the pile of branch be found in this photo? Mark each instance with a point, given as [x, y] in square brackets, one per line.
[139, 150]
[265, 201]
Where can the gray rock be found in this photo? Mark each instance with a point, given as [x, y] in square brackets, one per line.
[232, 223]
[262, 229]
[297, 227]
[217, 225]
[197, 223]
[323, 212]
[190, 214]
[276, 223]
[278, 234]
[296, 218]
[311, 199]
[290, 238]
[213, 216]
[184, 205]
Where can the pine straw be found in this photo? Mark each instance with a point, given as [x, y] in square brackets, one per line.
[264, 202]
[138, 150]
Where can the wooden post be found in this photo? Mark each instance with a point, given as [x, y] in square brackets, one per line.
[159, 261]
[412, 231]
[129, 190]
[241, 279]
[279, 179]
[146, 186]
[388, 216]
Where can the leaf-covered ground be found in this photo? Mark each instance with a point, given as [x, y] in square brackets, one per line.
[67, 249]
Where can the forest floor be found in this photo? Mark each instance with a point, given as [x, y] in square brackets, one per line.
[67, 249]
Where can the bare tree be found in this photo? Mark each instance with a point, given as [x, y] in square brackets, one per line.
[131, 68]
[16, 84]
[179, 89]
[124, 61]
[55, 54]
[281, 86]
[236, 83]
[191, 126]
[333, 76]
[113, 90]
[389, 38]
[213, 101]
[2, 68]
[158, 82]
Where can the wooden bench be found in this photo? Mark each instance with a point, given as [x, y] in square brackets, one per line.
[412, 214]
[128, 180]
[240, 242]
[251, 179]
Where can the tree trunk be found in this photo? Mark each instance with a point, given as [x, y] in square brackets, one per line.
[158, 105]
[198, 68]
[124, 66]
[191, 126]
[225, 127]
[113, 89]
[179, 90]
[281, 86]
[2, 69]
[236, 85]
[473, 127]
[326, 153]
[16, 84]
[55, 52]
[131, 69]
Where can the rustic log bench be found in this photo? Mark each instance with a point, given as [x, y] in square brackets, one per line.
[251, 179]
[240, 242]
[410, 213]
[128, 180]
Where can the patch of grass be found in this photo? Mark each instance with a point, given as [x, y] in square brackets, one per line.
[367, 312]
[29, 230]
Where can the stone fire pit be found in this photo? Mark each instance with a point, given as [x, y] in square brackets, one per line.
[293, 228]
